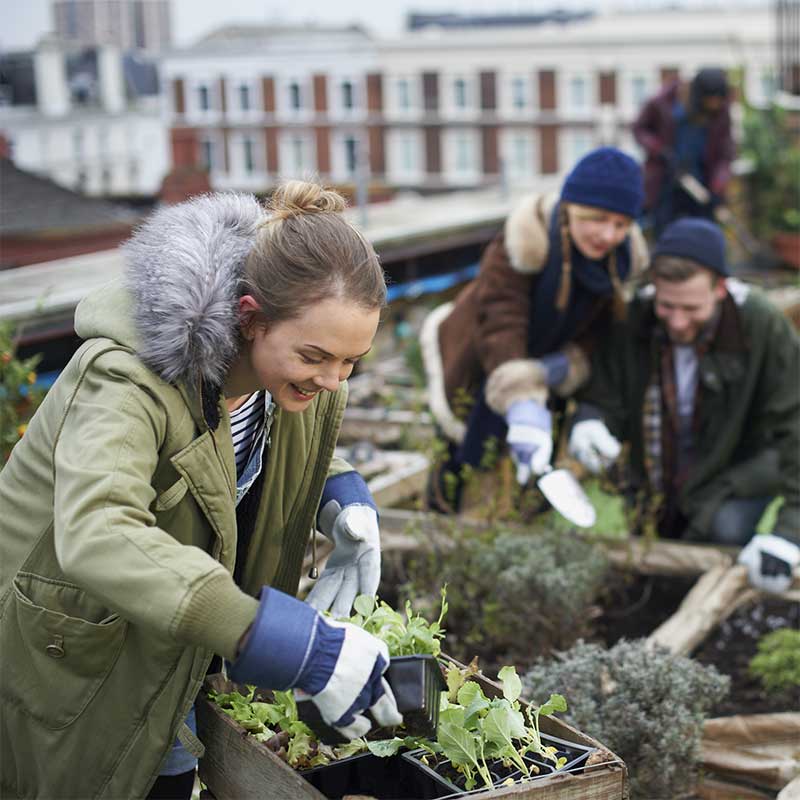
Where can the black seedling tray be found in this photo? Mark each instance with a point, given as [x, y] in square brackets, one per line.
[392, 778]
[416, 682]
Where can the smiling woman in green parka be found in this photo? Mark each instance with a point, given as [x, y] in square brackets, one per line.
[158, 508]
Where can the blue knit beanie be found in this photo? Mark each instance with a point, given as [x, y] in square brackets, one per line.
[606, 178]
[697, 239]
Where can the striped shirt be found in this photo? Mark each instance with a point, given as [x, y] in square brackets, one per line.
[247, 423]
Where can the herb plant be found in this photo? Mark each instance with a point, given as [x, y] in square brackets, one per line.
[777, 663]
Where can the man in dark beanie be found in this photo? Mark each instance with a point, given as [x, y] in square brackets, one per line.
[703, 380]
[685, 131]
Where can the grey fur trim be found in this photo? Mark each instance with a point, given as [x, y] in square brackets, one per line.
[526, 232]
[451, 425]
[577, 373]
[518, 379]
[183, 268]
[640, 257]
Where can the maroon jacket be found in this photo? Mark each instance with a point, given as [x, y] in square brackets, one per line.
[654, 130]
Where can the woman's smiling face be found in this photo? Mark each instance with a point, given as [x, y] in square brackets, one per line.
[297, 358]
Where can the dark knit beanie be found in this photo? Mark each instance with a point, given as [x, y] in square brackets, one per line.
[697, 239]
[606, 178]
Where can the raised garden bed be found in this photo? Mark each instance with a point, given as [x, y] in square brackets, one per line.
[238, 766]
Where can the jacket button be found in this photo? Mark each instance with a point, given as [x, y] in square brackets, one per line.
[56, 648]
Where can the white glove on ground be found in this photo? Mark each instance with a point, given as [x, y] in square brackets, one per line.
[770, 560]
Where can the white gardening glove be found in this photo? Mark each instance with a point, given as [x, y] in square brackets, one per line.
[529, 438]
[770, 560]
[592, 444]
[354, 566]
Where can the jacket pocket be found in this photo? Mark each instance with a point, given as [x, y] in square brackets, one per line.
[58, 645]
[169, 498]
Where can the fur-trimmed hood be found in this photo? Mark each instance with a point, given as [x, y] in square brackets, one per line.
[183, 272]
[526, 234]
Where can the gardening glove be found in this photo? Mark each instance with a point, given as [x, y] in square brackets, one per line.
[529, 438]
[339, 665]
[591, 443]
[770, 560]
[348, 517]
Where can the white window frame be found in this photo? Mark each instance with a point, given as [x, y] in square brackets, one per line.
[399, 142]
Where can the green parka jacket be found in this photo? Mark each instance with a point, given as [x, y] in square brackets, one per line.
[748, 431]
[118, 526]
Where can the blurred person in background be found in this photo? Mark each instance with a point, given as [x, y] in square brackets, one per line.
[685, 131]
[549, 284]
[702, 380]
[158, 508]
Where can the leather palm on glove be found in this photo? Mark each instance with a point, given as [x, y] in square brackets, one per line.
[770, 560]
[529, 438]
[341, 666]
[348, 517]
[592, 444]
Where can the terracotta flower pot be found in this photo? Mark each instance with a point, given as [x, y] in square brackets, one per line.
[786, 245]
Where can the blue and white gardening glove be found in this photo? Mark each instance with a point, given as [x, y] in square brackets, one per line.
[591, 443]
[770, 560]
[529, 438]
[341, 666]
[347, 516]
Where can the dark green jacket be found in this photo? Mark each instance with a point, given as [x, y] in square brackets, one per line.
[749, 383]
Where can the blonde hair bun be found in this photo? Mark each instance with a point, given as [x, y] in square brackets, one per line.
[294, 198]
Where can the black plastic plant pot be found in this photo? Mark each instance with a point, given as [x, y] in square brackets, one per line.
[575, 754]
[393, 778]
[416, 683]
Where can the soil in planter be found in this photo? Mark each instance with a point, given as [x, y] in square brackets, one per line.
[637, 604]
[733, 644]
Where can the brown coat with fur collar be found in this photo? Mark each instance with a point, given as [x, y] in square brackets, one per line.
[484, 332]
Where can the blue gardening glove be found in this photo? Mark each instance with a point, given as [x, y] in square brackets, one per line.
[529, 438]
[341, 666]
[770, 560]
[348, 517]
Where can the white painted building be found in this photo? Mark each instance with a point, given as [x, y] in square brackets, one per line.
[89, 119]
[265, 103]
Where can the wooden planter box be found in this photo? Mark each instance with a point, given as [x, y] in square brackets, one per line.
[237, 767]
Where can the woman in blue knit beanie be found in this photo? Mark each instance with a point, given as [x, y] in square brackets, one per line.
[548, 284]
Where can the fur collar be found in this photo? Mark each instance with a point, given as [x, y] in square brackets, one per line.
[183, 269]
[526, 236]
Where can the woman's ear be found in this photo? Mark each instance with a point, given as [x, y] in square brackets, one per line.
[248, 310]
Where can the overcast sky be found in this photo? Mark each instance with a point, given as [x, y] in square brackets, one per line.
[30, 19]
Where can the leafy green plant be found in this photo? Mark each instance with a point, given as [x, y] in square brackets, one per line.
[774, 152]
[645, 703]
[405, 635]
[777, 663]
[18, 398]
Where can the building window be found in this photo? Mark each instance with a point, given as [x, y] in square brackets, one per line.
[582, 143]
[403, 94]
[77, 143]
[244, 97]
[463, 162]
[460, 93]
[639, 90]
[248, 150]
[578, 93]
[203, 98]
[518, 94]
[105, 178]
[348, 100]
[295, 99]
[520, 154]
[299, 155]
[767, 80]
[408, 154]
[81, 180]
[207, 154]
[351, 154]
